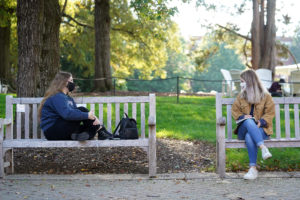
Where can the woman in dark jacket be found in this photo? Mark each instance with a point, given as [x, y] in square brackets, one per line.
[60, 118]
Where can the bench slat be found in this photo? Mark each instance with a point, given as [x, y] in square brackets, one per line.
[296, 120]
[292, 142]
[39, 143]
[34, 121]
[134, 110]
[229, 122]
[19, 118]
[83, 100]
[287, 120]
[101, 113]
[92, 107]
[277, 121]
[143, 120]
[117, 111]
[125, 108]
[27, 111]
[9, 115]
[109, 117]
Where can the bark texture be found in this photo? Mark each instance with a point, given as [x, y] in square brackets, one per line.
[30, 15]
[102, 46]
[38, 45]
[50, 51]
[4, 52]
[263, 35]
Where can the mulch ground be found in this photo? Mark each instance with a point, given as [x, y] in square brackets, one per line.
[172, 156]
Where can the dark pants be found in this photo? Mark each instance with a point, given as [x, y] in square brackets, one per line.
[62, 129]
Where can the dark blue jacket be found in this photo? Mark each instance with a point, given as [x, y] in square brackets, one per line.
[60, 106]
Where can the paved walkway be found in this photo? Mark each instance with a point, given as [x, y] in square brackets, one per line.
[269, 185]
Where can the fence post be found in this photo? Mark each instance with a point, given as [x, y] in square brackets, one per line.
[178, 92]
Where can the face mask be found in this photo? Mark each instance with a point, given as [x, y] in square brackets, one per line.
[243, 85]
[71, 86]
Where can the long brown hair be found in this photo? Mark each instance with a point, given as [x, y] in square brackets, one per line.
[57, 85]
[254, 91]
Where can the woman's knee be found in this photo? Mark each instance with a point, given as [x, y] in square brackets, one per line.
[249, 122]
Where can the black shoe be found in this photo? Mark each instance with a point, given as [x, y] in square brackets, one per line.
[103, 134]
[80, 136]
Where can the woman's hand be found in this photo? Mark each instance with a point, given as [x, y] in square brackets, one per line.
[92, 115]
[247, 116]
[96, 122]
[258, 123]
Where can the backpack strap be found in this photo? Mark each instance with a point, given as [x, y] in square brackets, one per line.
[117, 127]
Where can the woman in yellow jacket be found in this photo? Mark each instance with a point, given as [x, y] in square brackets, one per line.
[255, 108]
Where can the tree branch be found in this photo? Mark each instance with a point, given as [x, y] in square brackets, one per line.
[232, 31]
[291, 54]
[64, 8]
[77, 22]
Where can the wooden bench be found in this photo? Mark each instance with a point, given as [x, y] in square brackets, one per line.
[20, 127]
[278, 139]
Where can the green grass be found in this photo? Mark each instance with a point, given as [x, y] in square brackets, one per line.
[194, 118]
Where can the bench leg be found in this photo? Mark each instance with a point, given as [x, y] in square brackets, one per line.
[1, 160]
[9, 158]
[221, 156]
[152, 151]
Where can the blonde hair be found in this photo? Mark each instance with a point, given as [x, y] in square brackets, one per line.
[56, 86]
[254, 91]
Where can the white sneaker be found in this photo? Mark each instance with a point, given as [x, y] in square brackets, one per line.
[265, 153]
[252, 174]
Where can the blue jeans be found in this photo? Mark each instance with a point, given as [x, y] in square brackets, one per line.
[253, 136]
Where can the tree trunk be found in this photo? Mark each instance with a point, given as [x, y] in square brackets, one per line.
[263, 35]
[269, 57]
[30, 15]
[4, 52]
[102, 46]
[50, 51]
[255, 36]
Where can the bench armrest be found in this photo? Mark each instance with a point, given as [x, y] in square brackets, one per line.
[221, 121]
[151, 121]
[4, 121]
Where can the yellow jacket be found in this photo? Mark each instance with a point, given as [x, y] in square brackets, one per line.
[263, 110]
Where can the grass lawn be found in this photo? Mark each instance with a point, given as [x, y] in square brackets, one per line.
[193, 118]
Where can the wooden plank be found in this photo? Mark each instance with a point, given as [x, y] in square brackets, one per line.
[142, 120]
[34, 120]
[42, 143]
[117, 111]
[92, 108]
[42, 134]
[276, 143]
[287, 120]
[9, 115]
[296, 120]
[127, 99]
[83, 100]
[101, 113]
[19, 124]
[152, 136]
[109, 117]
[225, 101]
[27, 112]
[133, 110]
[25, 100]
[229, 122]
[125, 108]
[277, 121]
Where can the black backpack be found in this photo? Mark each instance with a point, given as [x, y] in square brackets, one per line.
[128, 129]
